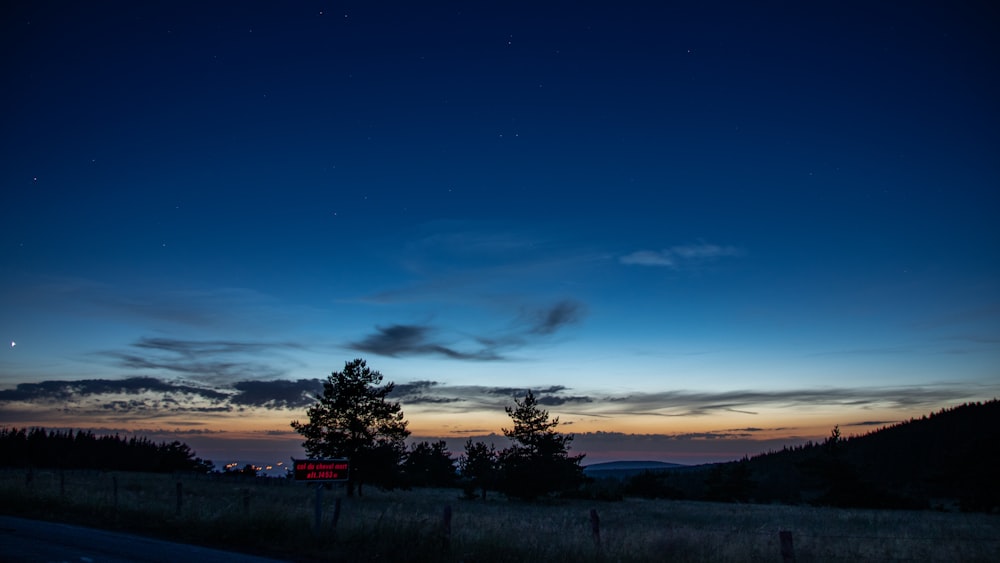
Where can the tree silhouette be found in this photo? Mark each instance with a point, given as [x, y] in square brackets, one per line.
[538, 462]
[84, 450]
[430, 465]
[353, 419]
[478, 467]
[729, 482]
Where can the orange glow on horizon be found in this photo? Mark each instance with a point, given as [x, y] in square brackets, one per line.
[269, 430]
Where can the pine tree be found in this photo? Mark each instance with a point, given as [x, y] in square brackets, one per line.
[478, 467]
[538, 463]
[353, 419]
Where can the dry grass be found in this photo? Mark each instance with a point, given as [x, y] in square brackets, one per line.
[407, 525]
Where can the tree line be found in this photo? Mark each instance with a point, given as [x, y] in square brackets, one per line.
[916, 464]
[946, 460]
[353, 418]
[66, 449]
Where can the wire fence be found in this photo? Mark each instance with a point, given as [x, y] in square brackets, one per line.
[788, 540]
[679, 531]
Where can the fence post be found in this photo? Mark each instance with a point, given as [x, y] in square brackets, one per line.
[595, 527]
[246, 500]
[114, 489]
[446, 527]
[62, 484]
[336, 513]
[787, 550]
[180, 496]
[319, 508]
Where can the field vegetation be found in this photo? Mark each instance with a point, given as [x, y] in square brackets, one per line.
[276, 517]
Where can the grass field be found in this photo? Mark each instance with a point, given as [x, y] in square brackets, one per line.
[276, 518]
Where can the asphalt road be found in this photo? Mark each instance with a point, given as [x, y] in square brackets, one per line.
[35, 541]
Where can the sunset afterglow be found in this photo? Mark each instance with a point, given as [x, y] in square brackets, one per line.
[694, 233]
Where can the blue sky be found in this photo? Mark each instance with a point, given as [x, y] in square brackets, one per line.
[716, 227]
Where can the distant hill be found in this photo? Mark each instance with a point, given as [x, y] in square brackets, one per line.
[946, 460]
[624, 469]
[616, 465]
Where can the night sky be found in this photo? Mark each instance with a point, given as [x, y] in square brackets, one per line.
[695, 230]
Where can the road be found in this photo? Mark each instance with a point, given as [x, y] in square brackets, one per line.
[34, 541]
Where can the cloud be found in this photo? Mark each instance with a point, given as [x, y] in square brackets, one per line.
[192, 348]
[149, 397]
[681, 403]
[277, 394]
[477, 398]
[67, 390]
[873, 423]
[553, 400]
[551, 319]
[710, 435]
[520, 391]
[422, 340]
[420, 392]
[649, 258]
[678, 257]
[689, 403]
[704, 250]
[205, 360]
[414, 340]
[231, 307]
[413, 388]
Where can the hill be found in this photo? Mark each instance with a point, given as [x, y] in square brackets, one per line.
[621, 470]
[943, 460]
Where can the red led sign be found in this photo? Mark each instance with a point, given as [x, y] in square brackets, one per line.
[321, 469]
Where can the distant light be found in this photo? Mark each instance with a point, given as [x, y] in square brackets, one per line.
[12, 343]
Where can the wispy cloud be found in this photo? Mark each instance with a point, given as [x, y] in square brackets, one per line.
[677, 257]
[415, 340]
[149, 398]
[873, 423]
[192, 308]
[205, 360]
[460, 262]
[551, 319]
[423, 340]
[419, 392]
[68, 390]
[682, 403]
[277, 394]
[472, 398]
[688, 403]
